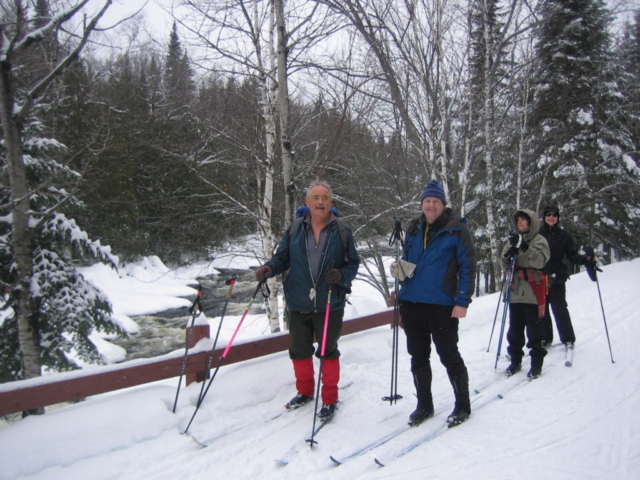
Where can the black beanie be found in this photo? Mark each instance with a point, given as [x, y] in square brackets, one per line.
[551, 209]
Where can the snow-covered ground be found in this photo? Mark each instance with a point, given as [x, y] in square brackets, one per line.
[581, 422]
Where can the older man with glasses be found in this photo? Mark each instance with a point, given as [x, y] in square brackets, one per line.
[560, 246]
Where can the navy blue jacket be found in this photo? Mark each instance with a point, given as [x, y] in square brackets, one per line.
[445, 271]
[291, 255]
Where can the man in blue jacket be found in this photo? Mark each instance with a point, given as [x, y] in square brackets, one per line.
[433, 298]
[316, 256]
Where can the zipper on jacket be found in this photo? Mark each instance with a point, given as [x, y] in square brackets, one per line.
[324, 258]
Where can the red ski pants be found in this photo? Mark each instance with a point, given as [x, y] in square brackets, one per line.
[305, 382]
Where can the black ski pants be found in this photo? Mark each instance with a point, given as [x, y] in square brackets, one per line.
[557, 299]
[423, 322]
[524, 316]
[303, 326]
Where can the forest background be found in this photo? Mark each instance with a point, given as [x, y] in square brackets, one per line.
[116, 144]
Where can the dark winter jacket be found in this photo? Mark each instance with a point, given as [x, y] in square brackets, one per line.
[534, 257]
[291, 255]
[445, 271]
[560, 245]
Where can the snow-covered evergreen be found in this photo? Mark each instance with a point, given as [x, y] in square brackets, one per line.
[67, 308]
[582, 145]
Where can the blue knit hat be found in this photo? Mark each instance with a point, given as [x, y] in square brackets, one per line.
[433, 189]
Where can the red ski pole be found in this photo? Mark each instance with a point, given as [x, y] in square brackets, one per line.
[322, 350]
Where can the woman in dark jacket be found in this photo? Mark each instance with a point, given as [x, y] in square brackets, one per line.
[561, 246]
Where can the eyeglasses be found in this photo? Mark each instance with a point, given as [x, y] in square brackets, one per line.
[550, 214]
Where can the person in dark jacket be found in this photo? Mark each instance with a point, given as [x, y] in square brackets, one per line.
[434, 296]
[561, 246]
[315, 258]
[528, 291]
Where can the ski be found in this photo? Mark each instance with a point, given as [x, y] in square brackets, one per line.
[295, 448]
[443, 427]
[362, 450]
[568, 354]
[209, 441]
[203, 445]
[339, 460]
[288, 413]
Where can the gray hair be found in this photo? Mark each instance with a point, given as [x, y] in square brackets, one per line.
[319, 183]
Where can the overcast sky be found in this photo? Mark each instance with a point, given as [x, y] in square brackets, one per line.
[155, 15]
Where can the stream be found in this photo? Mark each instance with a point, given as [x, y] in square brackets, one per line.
[164, 332]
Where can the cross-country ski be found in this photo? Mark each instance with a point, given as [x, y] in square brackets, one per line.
[437, 426]
[285, 458]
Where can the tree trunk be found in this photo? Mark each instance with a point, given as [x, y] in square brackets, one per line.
[487, 118]
[266, 206]
[283, 98]
[21, 234]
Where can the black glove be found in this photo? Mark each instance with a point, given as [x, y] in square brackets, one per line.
[263, 272]
[512, 252]
[517, 240]
[590, 260]
[592, 264]
[333, 276]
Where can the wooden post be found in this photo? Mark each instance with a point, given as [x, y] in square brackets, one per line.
[199, 332]
[393, 304]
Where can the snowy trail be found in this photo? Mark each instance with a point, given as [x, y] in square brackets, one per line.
[579, 422]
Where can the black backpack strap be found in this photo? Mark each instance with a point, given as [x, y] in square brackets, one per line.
[295, 225]
[412, 228]
[342, 231]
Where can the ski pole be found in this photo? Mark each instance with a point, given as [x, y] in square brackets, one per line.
[592, 269]
[194, 312]
[226, 350]
[395, 239]
[507, 297]
[495, 317]
[605, 319]
[231, 282]
[322, 350]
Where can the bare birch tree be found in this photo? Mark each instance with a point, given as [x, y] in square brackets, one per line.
[251, 38]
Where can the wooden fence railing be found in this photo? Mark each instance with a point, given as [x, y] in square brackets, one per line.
[70, 386]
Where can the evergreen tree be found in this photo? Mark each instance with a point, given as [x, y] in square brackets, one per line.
[179, 88]
[68, 308]
[628, 57]
[47, 310]
[583, 148]
[121, 130]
